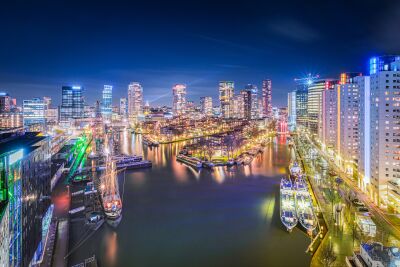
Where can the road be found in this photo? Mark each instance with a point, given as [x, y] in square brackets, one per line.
[378, 213]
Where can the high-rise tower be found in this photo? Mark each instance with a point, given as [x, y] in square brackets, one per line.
[226, 91]
[135, 99]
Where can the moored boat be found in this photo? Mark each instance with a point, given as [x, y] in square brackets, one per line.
[110, 197]
[288, 206]
[294, 169]
[189, 161]
[304, 207]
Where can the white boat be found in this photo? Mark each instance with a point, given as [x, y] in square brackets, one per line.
[124, 158]
[294, 169]
[150, 142]
[189, 161]
[288, 205]
[110, 198]
[134, 164]
[304, 207]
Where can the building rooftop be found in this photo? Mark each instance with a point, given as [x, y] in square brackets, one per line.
[11, 141]
[388, 256]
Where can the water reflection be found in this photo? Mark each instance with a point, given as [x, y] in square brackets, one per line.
[269, 163]
[175, 215]
[110, 245]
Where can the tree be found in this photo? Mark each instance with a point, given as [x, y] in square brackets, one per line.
[332, 195]
[328, 256]
[229, 141]
[209, 149]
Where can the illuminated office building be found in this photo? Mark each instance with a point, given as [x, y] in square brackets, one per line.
[292, 110]
[123, 106]
[72, 104]
[238, 105]
[245, 104]
[179, 99]
[25, 209]
[50, 112]
[267, 97]
[106, 109]
[135, 99]
[253, 101]
[11, 120]
[385, 129]
[364, 149]
[226, 93]
[330, 118]
[301, 105]
[206, 105]
[5, 102]
[314, 105]
[33, 112]
[348, 141]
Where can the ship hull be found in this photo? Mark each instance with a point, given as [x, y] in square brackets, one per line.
[287, 205]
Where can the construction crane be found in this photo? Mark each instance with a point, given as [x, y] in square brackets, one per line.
[307, 80]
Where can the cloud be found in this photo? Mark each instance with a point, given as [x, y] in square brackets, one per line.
[293, 29]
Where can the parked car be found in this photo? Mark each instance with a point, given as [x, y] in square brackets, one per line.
[363, 209]
[358, 203]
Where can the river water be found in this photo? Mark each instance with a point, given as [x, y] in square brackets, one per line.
[176, 216]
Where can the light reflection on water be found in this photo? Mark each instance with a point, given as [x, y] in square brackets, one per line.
[111, 248]
[175, 215]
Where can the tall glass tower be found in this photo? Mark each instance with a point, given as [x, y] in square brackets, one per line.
[106, 109]
[226, 92]
[72, 103]
[33, 112]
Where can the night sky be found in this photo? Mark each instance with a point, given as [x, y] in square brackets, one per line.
[46, 44]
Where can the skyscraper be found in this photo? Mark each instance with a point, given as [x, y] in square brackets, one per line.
[123, 106]
[25, 174]
[5, 102]
[106, 109]
[330, 118]
[206, 105]
[314, 105]
[135, 99]
[267, 97]
[364, 149]
[385, 129]
[245, 104]
[238, 105]
[226, 92]
[348, 120]
[253, 90]
[292, 110]
[72, 104]
[179, 99]
[301, 105]
[33, 112]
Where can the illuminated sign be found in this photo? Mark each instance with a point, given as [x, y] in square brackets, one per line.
[373, 65]
[16, 156]
[76, 87]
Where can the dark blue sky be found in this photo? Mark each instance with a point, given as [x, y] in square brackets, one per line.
[45, 44]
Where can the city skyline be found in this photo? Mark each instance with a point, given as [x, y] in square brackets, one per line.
[280, 41]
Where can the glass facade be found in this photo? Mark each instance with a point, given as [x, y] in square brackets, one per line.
[253, 103]
[106, 109]
[179, 99]
[34, 112]
[25, 180]
[267, 97]
[301, 105]
[226, 91]
[135, 99]
[72, 103]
